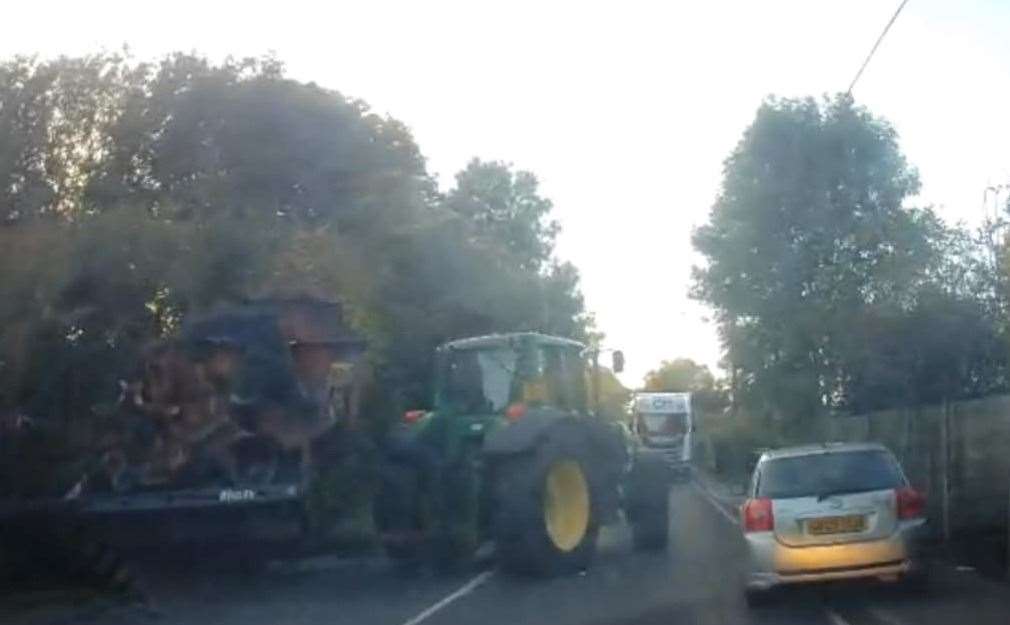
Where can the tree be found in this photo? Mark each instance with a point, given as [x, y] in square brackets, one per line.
[813, 258]
[239, 139]
[506, 212]
[614, 396]
[55, 121]
[681, 375]
[484, 262]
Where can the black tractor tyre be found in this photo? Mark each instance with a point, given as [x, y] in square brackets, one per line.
[647, 507]
[554, 477]
[397, 514]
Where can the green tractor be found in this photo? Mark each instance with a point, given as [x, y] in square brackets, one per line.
[515, 454]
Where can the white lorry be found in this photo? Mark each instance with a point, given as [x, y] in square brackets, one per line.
[665, 422]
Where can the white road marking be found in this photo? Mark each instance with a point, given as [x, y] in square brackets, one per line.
[463, 590]
[835, 617]
[884, 617]
[718, 506]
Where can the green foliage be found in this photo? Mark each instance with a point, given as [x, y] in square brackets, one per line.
[55, 124]
[829, 290]
[681, 375]
[474, 267]
[615, 398]
[732, 444]
[506, 212]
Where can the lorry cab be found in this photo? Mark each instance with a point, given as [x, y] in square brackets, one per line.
[665, 423]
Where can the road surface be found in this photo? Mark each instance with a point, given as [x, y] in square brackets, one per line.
[696, 581]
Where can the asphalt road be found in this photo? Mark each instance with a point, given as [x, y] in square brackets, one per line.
[697, 580]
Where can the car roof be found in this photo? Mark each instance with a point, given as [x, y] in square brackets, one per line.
[820, 448]
[499, 340]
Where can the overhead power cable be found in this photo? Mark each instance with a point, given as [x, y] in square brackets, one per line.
[875, 46]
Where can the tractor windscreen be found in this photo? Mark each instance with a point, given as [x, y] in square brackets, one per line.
[479, 380]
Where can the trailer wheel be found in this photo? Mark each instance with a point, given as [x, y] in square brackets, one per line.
[544, 522]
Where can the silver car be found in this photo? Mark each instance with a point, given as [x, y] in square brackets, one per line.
[830, 512]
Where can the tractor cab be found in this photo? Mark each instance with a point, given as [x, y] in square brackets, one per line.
[506, 375]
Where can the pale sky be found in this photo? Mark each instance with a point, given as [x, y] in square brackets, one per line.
[624, 109]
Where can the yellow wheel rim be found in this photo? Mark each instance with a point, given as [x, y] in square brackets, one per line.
[566, 504]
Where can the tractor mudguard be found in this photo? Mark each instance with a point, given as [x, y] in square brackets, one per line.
[525, 434]
[602, 442]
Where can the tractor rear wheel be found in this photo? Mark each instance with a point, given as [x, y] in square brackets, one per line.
[544, 522]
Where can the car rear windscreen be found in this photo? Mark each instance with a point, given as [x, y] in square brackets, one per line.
[829, 473]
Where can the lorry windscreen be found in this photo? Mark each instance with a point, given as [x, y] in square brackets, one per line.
[665, 424]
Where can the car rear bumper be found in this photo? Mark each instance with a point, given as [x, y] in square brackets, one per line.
[774, 564]
[765, 580]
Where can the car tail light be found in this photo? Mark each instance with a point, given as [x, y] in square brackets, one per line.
[515, 411]
[911, 503]
[757, 515]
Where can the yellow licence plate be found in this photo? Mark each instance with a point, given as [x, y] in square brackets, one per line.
[837, 524]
